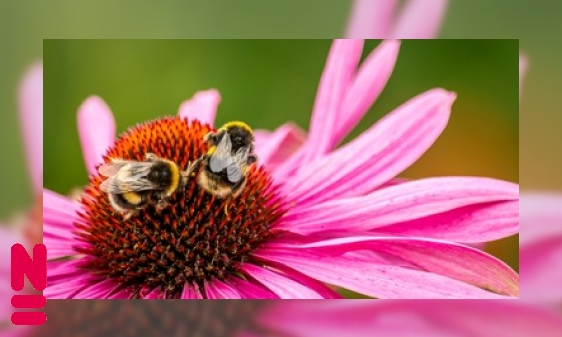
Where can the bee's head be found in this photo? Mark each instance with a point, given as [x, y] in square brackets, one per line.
[240, 133]
[161, 174]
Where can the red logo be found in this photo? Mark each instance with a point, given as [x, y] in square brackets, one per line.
[36, 271]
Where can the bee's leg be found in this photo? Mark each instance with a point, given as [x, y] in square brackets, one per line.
[128, 214]
[191, 167]
[252, 158]
[236, 190]
[211, 138]
[226, 202]
[149, 156]
[162, 203]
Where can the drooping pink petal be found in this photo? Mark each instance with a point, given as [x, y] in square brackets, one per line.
[216, 289]
[96, 129]
[251, 290]
[319, 287]
[452, 260]
[339, 70]
[410, 201]
[284, 287]
[371, 19]
[473, 224]
[65, 279]
[59, 216]
[371, 279]
[202, 106]
[522, 70]
[365, 88]
[419, 19]
[30, 101]
[100, 290]
[540, 276]
[275, 147]
[377, 155]
[433, 318]
[191, 292]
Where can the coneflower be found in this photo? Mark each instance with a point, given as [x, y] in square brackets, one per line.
[308, 218]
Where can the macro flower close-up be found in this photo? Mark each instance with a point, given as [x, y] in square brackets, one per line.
[313, 217]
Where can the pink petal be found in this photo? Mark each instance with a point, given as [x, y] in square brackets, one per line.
[371, 19]
[121, 294]
[251, 290]
[540, 275]
[377, 155]
[64, 280]
[319, 287]
[202, 106]
[420, 19]
[541, 217]
[276, 147]
[413, 200]
[30, 101]
[59, 216]
[152, 294]
[409, 318]
[365, 88]
[371, 279]
[191, 291]
[522, 70]
[261, 136]
[96, 128]
[338, 72]
[217, 289]
[100, 290]
[282, 286]
[452, 260]
[473, 224]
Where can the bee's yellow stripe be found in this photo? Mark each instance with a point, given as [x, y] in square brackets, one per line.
[175, 177]
[239, 124]
[132, 198]
[211, 150]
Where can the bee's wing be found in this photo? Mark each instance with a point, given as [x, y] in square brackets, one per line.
[235, 170]
[222, 156]
[131, 178]
[113, 167]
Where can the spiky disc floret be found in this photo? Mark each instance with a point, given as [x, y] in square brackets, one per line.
[192, 239]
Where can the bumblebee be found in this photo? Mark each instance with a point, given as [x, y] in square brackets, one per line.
[225, 165]
[131, 185]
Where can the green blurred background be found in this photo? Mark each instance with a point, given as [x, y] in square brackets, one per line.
[269, 82]
[26, 23]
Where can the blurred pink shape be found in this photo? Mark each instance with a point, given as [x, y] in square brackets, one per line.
[522, 70]
[31, 116]
[541, 247]
[377, 19]
[381, 318]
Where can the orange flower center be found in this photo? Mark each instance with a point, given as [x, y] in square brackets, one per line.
[189, 241]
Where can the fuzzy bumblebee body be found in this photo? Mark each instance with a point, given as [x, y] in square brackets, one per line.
[225, 165]
[131, 185]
